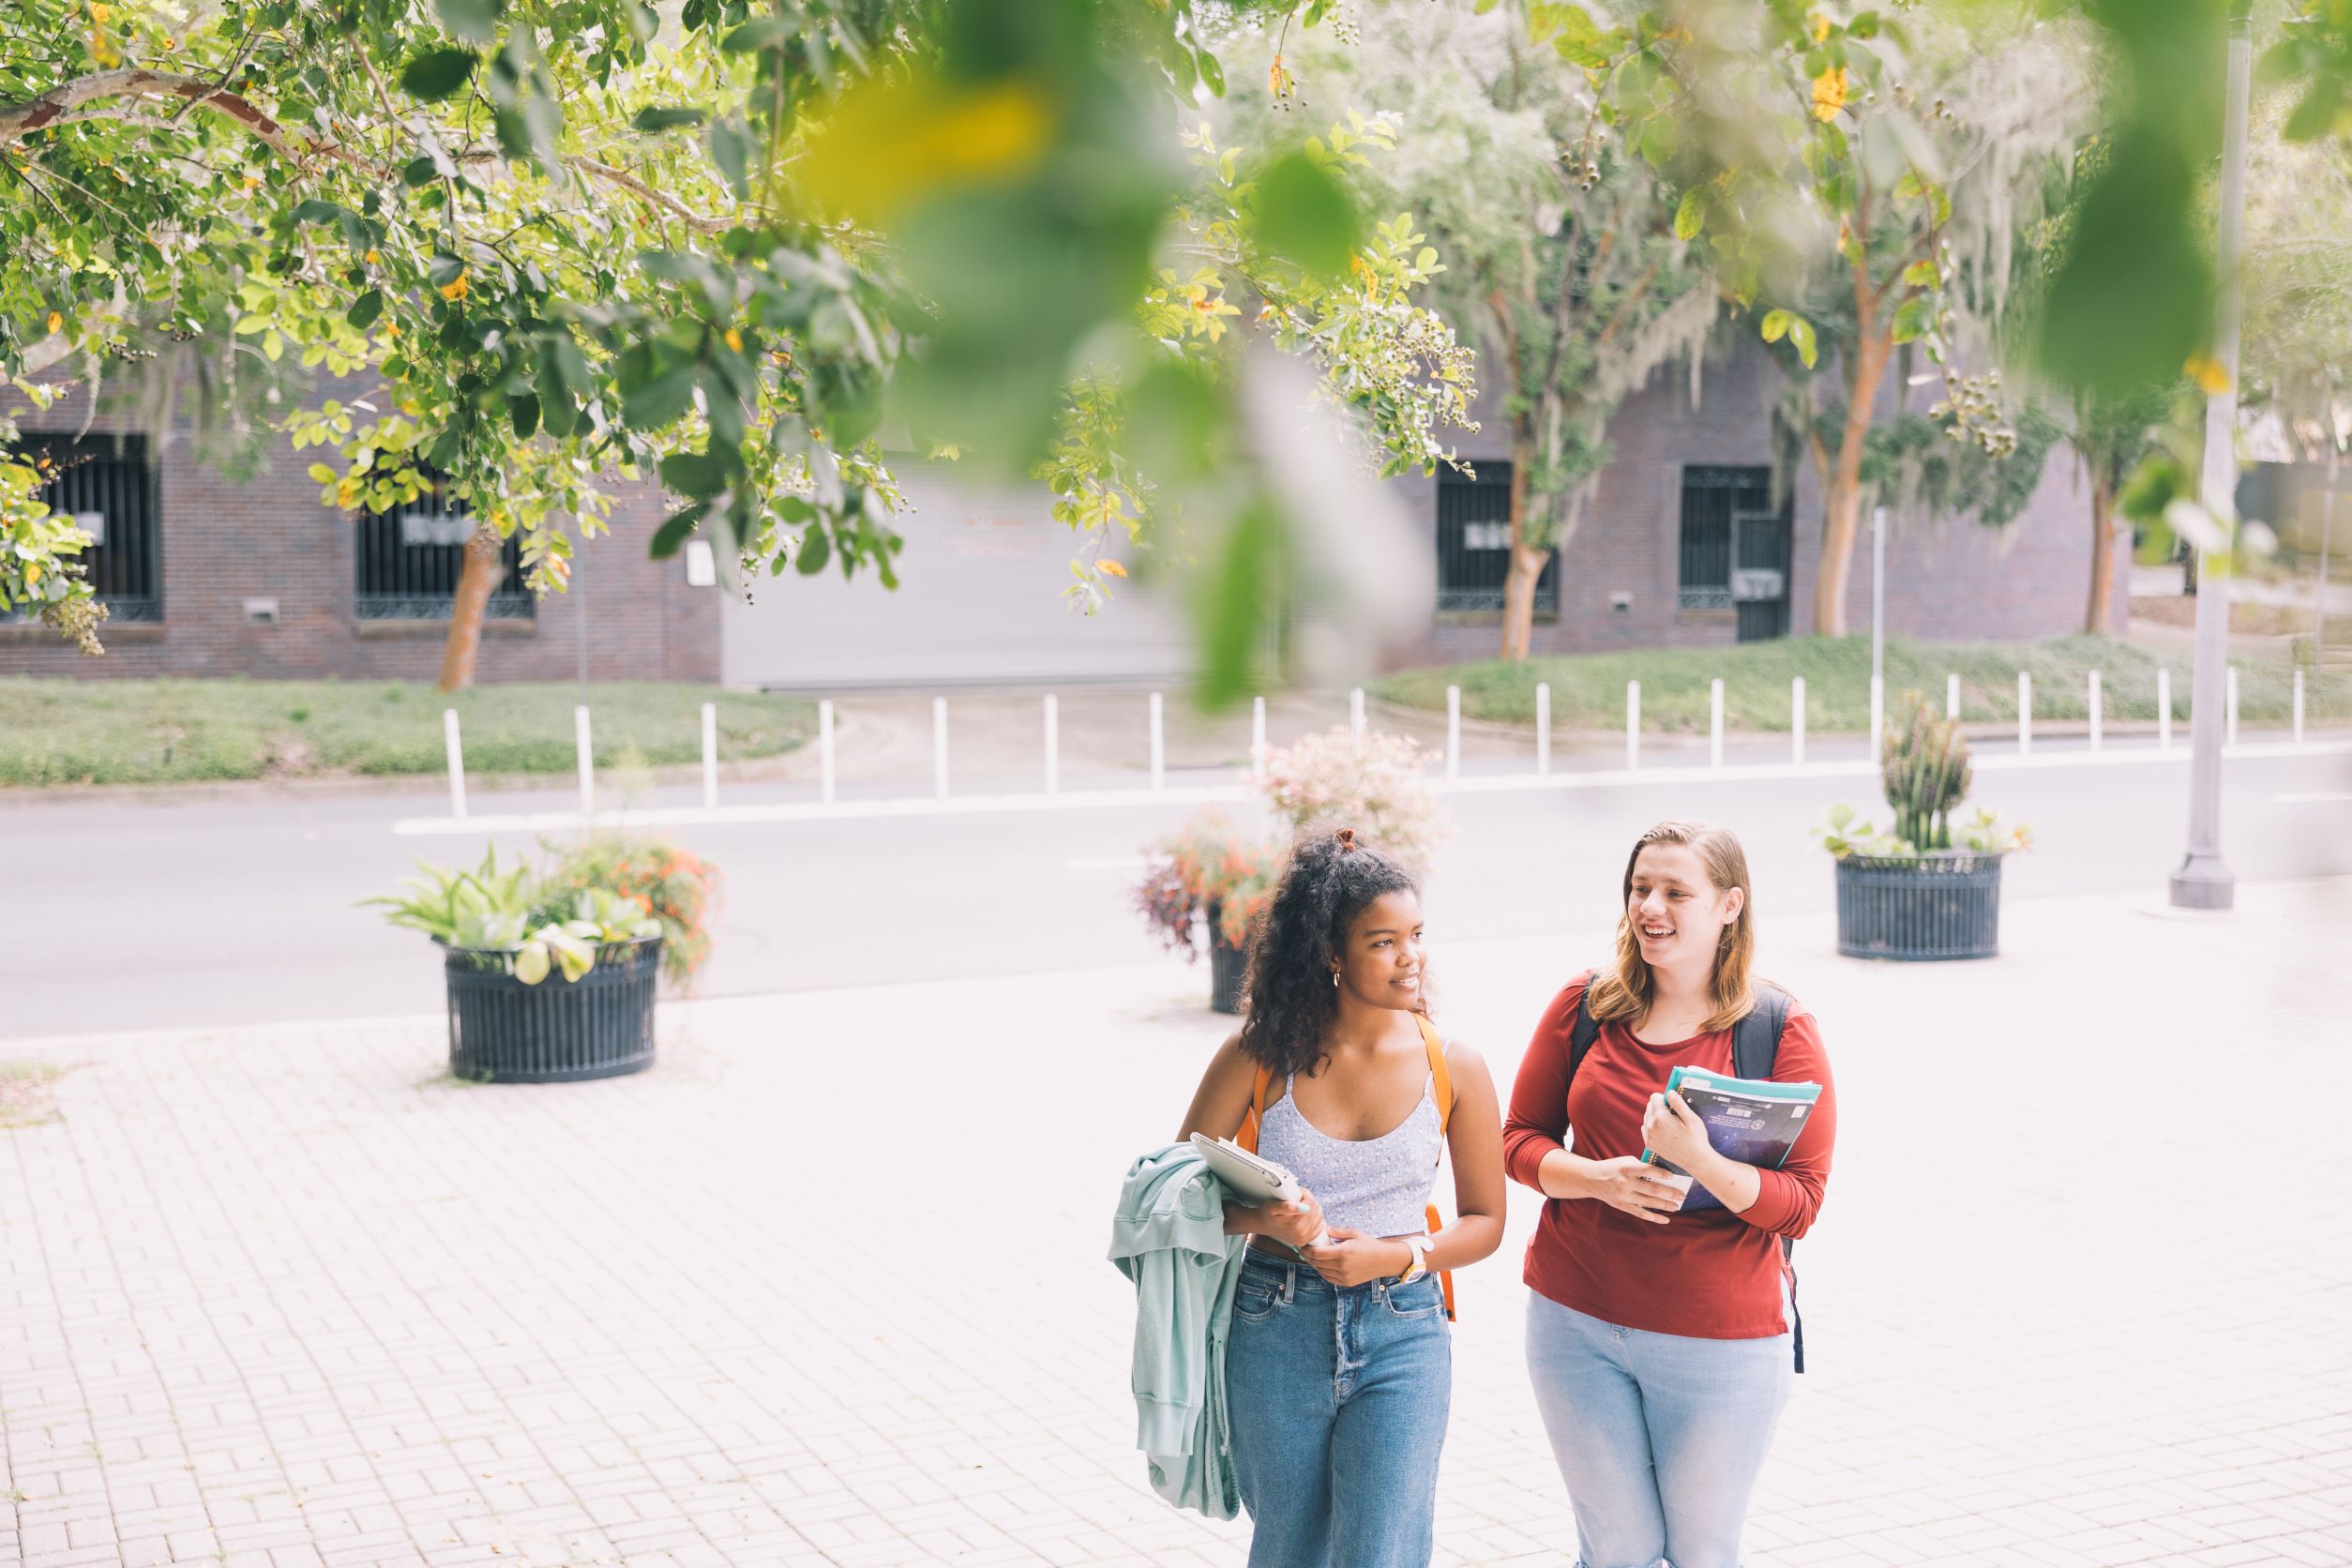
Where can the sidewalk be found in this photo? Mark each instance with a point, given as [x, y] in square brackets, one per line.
[289, 1296]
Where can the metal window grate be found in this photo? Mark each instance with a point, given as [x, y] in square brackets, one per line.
[409, 560]
[104, 483]
[1474, 542]
[1735, 549]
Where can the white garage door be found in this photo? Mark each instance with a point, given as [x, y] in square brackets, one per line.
[979, 602]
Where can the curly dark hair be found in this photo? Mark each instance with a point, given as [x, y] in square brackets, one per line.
[1289, 1001]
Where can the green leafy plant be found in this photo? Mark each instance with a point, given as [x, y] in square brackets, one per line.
[515, 920]
[1925, 770]
[1925, 767]
[671, 886]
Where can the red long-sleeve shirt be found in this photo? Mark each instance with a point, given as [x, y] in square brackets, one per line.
[1708, 1275]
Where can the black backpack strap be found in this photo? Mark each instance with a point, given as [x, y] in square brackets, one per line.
[1586, 1031]
[1755, 1039]
[1755, 1051]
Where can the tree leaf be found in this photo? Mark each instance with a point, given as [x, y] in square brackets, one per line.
[815, 547]
[1305, 215]
[675, 530]
[697, 474]
[1776, 324]
[437, 73]
[365, 310]
[1921, 273]
[659, 401]
[1800, 334]
[523, 413]
[669, 119]
[1913, 318]
[474, 21]
[1690, 213]
[1211, 72]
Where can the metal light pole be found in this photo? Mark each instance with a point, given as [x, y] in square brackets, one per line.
[1877, 630]
[2203, 881]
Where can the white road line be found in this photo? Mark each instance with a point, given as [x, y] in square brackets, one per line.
[1202, 795]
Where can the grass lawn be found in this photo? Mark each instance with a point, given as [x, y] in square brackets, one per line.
[65, 731]
[1589, 689]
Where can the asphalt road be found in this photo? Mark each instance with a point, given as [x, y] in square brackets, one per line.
[241, 909]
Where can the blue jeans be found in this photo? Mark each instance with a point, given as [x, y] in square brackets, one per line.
[1339, 1401]
[1659, 1436]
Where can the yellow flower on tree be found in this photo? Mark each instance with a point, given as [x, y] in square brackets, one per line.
[457, 288]
[2210, 376]
[1828, 93]
[1111, 568]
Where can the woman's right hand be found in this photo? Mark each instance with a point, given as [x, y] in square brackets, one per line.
[1627, 1183]
[1294, 1223]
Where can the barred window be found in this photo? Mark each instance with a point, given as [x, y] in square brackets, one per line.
[1711, 497]
[104, 484]
[410, 559]
[1474, 542]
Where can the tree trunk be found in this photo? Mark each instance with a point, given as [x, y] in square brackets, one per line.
[483, 569]
[1840, 489]
[1527, 565]
[2102, 553]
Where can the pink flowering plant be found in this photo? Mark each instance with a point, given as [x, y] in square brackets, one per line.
[1375, 783]
[1210, 868]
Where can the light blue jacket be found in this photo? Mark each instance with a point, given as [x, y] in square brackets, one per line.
[1169, 1236]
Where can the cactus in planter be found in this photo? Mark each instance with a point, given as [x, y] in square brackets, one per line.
[1927, 773]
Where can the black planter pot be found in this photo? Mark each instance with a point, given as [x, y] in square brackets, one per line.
[559, 1031]
[1944, 905]
[1228, 964]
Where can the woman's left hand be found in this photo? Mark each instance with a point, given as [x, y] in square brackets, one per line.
[1356, 1259]
[1673, 1131]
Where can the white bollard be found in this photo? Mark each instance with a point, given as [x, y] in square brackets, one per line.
[1877, 717]
[1633, 724]
[1797, 719]
[1159, 746]
[710, 756]
[2098, 713]
[2229, 705]
[2164, 708]
[457, 758]
[1258, 737]
[587, 760]
[825, 750]
[939, 747]
[1951, 695]
[2025, 714]
[1715, 725]
[1053, 743]
[1543, 728]
[1356, 711]
[1453, 731]
[2298, 707]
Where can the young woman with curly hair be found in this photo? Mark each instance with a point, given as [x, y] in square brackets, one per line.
[1658, 1334]
[1339, 1366]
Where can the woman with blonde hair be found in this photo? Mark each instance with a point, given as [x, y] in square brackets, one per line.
[1658, 1339]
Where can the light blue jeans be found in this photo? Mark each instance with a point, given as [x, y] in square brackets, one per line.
[1338, 1402]
[1659, 1436]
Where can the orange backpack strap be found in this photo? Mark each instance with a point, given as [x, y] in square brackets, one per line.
[1248, 1138]
[1441, 1091]
[1442, 1080]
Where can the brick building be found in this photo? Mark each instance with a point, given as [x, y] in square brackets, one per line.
[1681, 544]
[208, 577]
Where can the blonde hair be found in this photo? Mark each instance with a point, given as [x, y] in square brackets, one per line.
[1626, 989]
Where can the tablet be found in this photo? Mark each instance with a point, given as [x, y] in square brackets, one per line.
[1249, 1179]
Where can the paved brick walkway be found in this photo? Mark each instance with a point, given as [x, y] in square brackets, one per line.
[289, 1296]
